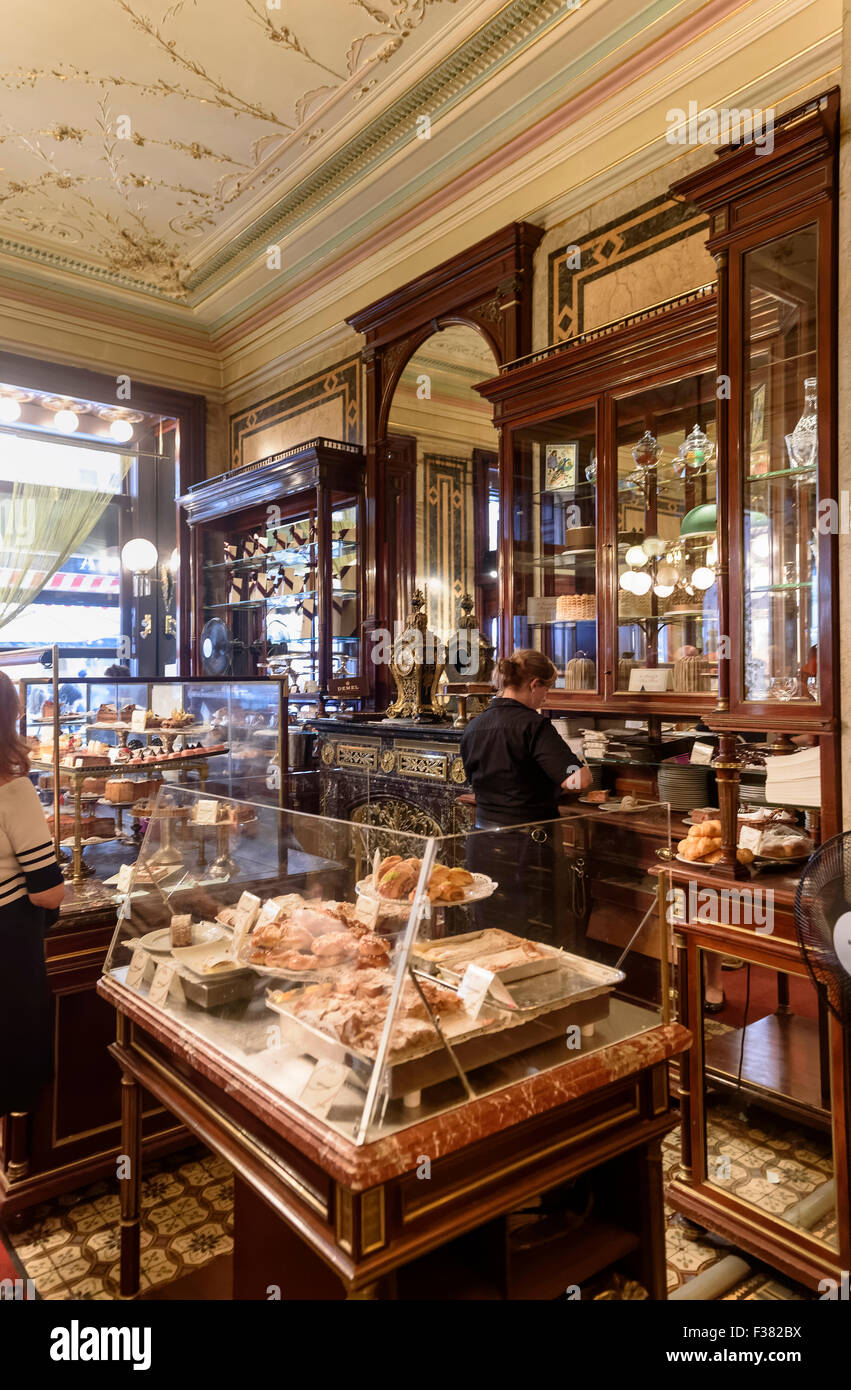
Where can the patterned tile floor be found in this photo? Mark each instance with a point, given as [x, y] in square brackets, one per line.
[70, 1247]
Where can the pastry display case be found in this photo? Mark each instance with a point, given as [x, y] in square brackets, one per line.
[278, 572]
[372, 977]
[113, 744]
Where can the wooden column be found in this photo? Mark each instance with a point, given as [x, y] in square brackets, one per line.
[131, 1184]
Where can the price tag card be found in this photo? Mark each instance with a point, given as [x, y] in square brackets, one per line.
[368, 910]
[206, 812]
[474, 985]
[702, 753]
[137, 721]
[268, 912]
[125, 874]
[166, 980]
[249, 903]
[136, 969]
[650, 678]
[241, 928]
[750, 837]
[324, 1084]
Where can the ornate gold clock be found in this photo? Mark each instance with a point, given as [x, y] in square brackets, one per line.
[416, 666]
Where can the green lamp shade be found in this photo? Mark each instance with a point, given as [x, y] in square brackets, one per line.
[700, 521]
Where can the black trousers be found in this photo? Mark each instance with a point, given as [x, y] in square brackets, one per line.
[26, 1053]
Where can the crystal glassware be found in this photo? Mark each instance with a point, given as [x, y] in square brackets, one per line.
[802, 443]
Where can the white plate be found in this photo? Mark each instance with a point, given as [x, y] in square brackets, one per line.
[695, 863]
[199, 958]
[481, 887]
[203, 934]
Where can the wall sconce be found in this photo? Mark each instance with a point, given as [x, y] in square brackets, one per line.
[147, 626]
[168, 583]
[139, 557]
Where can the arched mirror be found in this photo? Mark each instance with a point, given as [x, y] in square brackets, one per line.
[440, 434]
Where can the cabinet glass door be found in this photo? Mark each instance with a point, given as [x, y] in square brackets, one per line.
[292, 616]
[555, 545]
[346, 675]
[780, 467]
[667, 552]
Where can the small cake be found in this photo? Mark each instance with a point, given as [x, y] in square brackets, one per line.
[94, 786]
[181, 929]
[120, 791]
[47, 709]
[576, 607]
[126, 713]
[153, 721]
[107, 714]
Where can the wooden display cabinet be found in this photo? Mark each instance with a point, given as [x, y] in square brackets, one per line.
[599, 455]
[277, 551]
[773, 234]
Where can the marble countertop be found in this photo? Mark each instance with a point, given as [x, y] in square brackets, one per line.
[391, 1150]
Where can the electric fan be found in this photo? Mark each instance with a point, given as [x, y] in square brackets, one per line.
[218, 648]
[823, 921]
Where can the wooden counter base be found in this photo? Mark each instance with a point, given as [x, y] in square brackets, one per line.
[362, 1212]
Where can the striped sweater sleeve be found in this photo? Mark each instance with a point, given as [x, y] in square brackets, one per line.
[29, 836]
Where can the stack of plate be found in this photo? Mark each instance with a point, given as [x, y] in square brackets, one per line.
[684, 784]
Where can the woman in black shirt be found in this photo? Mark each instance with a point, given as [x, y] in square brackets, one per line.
[513, 757]
[518, 766]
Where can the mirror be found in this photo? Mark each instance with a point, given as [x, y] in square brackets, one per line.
[768, 1098]
[441, 430]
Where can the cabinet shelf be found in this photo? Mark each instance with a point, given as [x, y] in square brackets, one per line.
[782, 473]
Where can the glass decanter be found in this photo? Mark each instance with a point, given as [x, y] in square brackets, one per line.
[802, 443]
[695, 453]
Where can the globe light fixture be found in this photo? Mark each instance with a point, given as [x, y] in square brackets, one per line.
[139, 556]
[636, 557]
[121, 430]
[67, 421]
[10, 410]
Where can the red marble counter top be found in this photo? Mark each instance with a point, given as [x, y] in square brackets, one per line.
[364, 1166]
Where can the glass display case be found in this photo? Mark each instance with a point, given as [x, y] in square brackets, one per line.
[777, 314]
[373, 977]
[556, 559]
[611, 562]
[780, 474]
[118, 742]
[277, 563]
[667, 550]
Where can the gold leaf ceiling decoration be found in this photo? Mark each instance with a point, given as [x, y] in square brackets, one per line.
[136, 138]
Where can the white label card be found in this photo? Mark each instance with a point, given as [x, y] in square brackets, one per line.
[136, 968]
[249, 904]
[165, 980]
[650, 678]
[125, 874]
[541, 608]
[702, 753]
[368, 910]
[474, 985]
[750, 837]
[324, 1084]
[241, 928]
[206, 812]
[137, 721]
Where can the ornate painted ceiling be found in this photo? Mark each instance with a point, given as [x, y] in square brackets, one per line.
[139, 139]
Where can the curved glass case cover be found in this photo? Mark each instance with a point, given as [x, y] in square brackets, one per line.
[376, 978]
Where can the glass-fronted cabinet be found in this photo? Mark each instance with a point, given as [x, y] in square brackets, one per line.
[556, 560]
[278, 572]
[777, 311]
[667, 547]
[610, 456]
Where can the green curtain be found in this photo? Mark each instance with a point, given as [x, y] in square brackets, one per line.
[39, 528]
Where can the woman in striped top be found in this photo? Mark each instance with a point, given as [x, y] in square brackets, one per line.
[30, 887]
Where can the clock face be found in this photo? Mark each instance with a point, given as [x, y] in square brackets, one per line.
[404, 660]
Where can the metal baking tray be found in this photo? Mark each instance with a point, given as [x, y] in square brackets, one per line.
[419, 957]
